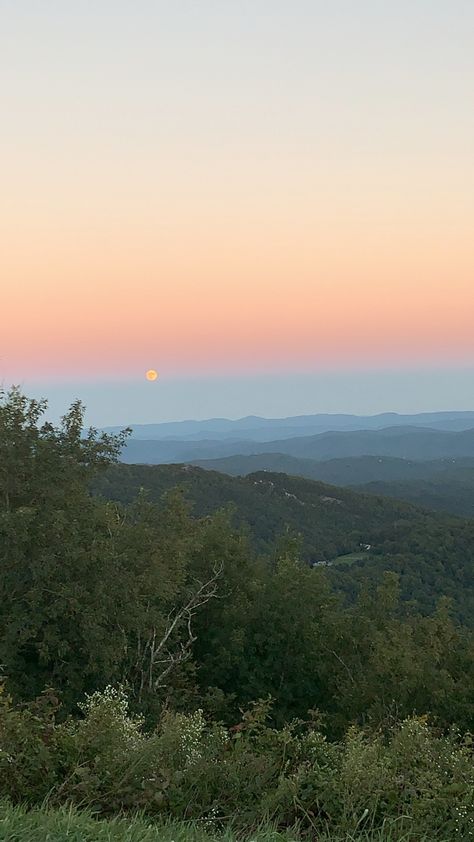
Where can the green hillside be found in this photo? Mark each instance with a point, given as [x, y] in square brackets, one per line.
[446, 485]
[433, 553]
[331, 520]
[442, 495]
[350, 470]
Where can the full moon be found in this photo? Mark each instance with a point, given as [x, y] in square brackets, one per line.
[151, 374]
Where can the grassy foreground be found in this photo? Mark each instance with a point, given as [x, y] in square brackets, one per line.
[18, 824]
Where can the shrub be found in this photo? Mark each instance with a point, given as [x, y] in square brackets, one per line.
[28, 757]
[410, 779]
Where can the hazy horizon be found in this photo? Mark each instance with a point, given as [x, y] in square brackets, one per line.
[112, 403]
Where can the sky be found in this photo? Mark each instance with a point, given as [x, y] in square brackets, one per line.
[270, 203]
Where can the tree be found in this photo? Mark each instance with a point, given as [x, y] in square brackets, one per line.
[57, 595]
[91, 592]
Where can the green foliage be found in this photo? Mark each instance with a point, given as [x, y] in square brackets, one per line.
[86, 585]
[57, 570]
[27, 750]
[408, 777]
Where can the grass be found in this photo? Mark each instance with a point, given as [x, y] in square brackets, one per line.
[18, 824]
[349, 558]
[67, 825]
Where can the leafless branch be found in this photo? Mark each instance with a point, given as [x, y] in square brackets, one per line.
[157, 656]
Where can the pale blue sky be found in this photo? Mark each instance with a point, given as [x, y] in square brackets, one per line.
[362, 393]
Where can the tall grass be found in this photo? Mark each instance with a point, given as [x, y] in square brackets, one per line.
[18, 824]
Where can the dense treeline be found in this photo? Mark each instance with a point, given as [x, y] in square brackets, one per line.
[184, 613]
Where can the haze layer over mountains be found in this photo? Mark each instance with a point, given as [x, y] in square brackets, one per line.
[255, 428]
[416, 437]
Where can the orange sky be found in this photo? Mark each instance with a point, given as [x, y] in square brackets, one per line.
[236, 193]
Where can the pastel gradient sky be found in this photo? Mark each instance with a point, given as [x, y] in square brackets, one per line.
[240, 192]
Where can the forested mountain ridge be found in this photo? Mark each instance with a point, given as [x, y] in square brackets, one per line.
[331, 520]
[443, 494]
[442, 484]
[433, 553]
[349, 471]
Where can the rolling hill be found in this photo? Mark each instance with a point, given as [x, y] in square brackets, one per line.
[442, 484]
[433, 553]
[355, 470]
[442, 493]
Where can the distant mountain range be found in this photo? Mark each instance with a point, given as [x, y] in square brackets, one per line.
[404, 442]
[426, 458]
[254, 428]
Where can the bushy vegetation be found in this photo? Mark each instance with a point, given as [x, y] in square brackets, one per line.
[154, 660]
[407, 777]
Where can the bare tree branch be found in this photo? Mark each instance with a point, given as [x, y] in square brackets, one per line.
[158, 657]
